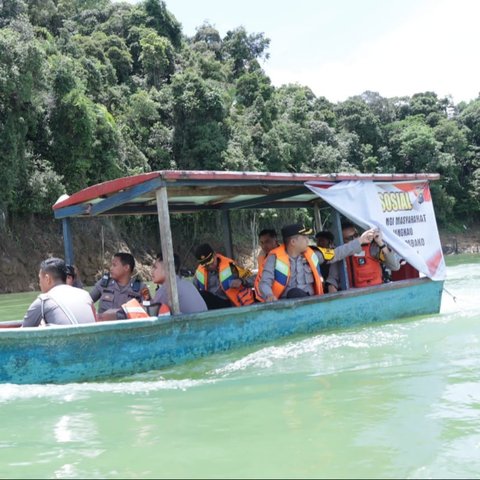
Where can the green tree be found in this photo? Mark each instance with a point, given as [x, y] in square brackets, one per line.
[244, 50]
[383, 108]
[206, 39]
[85, 141]
[11, 10]
[200, 135]
[354, 115]
[414, 146]
[240, 152]
[42, 188]
[162, 21]
[253, 84]
[142, 124]
[425, 104]
[474, 187]
[21, 74]
[470, 117]
[157, 58]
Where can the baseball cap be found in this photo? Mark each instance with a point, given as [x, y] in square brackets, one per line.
[295, 229]
[205, 254]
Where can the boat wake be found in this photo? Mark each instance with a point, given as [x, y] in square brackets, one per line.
[271, 358]
[77, 391]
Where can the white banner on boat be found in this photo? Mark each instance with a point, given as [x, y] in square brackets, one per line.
[403, 211]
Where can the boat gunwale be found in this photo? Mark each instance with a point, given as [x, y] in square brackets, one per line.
[166, 321]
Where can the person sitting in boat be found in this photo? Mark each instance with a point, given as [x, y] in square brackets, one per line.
[189, 297]
[220, 281]
[59, 303]
[325, 239]
[117, 287]
[73, 278]
[292, 270]
[267, 239]
[365, 268]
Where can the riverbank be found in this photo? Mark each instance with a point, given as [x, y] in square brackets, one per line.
[27, 241]
[467, 241]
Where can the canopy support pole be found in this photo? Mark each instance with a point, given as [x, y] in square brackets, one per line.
[67, 241]
[167, 248]
[227, 233]
[343, 264]
[317, 217]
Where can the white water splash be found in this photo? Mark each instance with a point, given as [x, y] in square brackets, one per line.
[267, 357]
[76, 391]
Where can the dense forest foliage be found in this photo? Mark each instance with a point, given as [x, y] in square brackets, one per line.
[91, 90]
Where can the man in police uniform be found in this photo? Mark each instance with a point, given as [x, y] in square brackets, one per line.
[117, 288]
[296, 259]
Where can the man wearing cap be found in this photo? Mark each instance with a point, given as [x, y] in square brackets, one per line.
[220, 281]
[292, 270]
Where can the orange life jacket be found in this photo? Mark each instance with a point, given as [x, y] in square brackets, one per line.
[261, 263]
[282, 271]
[365, 270]
[164, 310]
[134, 309]
[238, 296]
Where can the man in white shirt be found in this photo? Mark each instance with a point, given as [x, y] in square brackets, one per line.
[58, 304]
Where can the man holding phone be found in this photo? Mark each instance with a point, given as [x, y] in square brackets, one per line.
[365, 268]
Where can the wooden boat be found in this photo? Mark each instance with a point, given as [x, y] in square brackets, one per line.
[118, 348]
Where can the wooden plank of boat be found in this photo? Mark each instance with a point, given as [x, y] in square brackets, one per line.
[111, 349]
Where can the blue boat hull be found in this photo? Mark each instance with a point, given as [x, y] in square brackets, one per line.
[110, 349]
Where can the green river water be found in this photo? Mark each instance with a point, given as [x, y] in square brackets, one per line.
[394, 400]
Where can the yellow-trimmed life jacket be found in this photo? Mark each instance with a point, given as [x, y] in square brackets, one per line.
[282, 271]
[238, 296]
[261, 263]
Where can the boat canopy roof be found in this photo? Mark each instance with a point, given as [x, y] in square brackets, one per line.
[192, 191]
